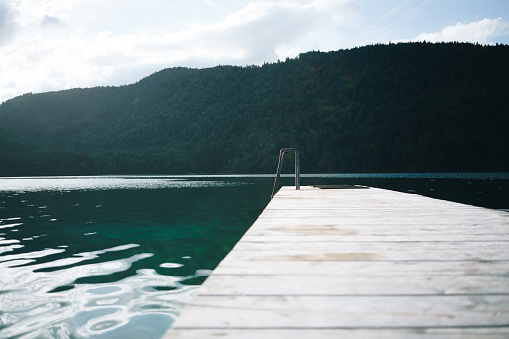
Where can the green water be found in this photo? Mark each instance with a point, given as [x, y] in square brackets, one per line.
[115, 257]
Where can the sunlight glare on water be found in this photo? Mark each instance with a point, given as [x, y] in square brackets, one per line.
[33, 184]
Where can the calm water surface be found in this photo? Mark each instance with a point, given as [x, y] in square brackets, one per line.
[118, 257]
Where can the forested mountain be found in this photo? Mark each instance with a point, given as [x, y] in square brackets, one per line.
[397, 107]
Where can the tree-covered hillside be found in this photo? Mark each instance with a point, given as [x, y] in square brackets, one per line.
[404, 107]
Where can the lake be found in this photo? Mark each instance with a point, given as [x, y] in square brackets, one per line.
[119, 256]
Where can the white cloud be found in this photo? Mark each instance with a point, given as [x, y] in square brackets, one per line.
[483, 31]
[259, 32]
[33, 11]
[7, 23]
[49, 20]
[58, 44]
[210, 3]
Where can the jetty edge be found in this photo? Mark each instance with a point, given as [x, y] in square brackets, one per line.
[359, 263]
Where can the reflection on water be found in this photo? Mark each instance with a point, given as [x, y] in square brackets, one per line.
[112, 256]
[33, 184]
[38, 300]
[115, 257]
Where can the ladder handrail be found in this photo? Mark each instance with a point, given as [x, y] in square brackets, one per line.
[280, 166]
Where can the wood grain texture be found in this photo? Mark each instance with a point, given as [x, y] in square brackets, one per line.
[351, 263]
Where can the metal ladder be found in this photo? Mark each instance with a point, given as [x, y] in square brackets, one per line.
[282, 153]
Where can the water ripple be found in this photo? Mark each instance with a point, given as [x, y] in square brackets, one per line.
[38, 303]
[10, 225]
[29, 255]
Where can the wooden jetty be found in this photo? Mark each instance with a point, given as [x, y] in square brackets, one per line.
[359, 263]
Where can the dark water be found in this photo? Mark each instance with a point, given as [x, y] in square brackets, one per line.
[118, 257]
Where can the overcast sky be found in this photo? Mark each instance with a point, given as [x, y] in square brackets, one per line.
[48, 45]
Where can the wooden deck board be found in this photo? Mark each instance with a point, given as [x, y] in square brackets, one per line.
[367, 263]
[379, 333]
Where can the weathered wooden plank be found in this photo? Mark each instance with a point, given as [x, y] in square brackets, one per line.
[251, 312]
[460, 247]
[334, 218]
[356, 285]
[351, 333]
[391, 205]
[338, 221]
[341, 233]
[375, 237]
[291, 256]
[364, 268]
[361, 251]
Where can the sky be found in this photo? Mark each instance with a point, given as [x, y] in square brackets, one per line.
[51, 45]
